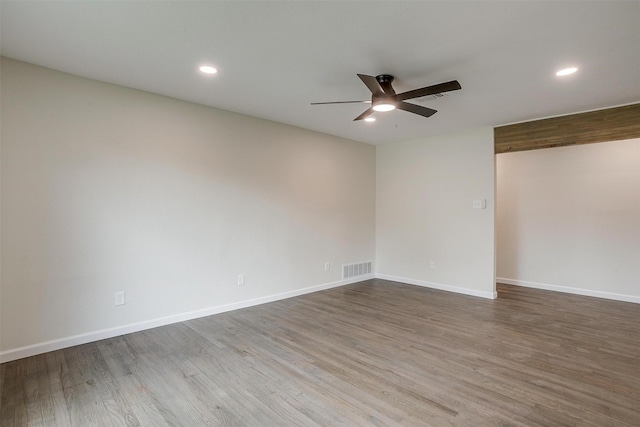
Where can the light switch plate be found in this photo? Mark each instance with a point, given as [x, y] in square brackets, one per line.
[480, 204]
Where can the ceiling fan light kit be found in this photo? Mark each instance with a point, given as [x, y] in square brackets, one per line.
[383, 106]
[384, 97]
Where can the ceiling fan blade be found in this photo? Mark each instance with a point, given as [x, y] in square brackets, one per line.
[372, 84]
[341, 102]
[430, 90]
[416, 109]
[364, 115]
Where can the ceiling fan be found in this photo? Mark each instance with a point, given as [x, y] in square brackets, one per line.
[384, 98]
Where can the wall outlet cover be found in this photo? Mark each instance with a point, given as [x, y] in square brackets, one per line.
[119, 298]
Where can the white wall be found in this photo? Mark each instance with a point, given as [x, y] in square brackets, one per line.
[568, 219]
[106, 188]
[424, 195]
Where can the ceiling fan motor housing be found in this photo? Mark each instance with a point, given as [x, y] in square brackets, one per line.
[384, 78]
[387, 100]
[385, 81]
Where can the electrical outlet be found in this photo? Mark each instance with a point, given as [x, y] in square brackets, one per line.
[327, 266]
[432, 265]
[240, 279]
[119, 298]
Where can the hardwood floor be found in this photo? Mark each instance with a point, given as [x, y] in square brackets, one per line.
[375, 353]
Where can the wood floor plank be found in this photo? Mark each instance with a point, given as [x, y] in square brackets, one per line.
[335, 396]
[352, 413]
[375, 353]
[393, 356]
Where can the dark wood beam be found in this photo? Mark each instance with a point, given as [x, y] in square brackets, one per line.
[612, 124]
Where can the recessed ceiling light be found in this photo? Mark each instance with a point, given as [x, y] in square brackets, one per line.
[566, 71]
[208, 69]
[370, 119]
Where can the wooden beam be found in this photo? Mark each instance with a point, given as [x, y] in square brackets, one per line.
[612, 124]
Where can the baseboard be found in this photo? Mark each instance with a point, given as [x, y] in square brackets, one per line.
[439, 286]
[569, 290]
[34, 349]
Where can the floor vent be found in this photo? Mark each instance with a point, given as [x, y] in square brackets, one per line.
[353, 270]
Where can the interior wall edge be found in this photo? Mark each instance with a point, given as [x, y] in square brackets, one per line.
[70, 341]
[570, 290]
[438, 286]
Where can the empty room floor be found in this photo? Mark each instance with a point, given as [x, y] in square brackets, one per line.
[375, 353]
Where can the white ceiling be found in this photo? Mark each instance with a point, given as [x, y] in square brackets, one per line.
[277, 57]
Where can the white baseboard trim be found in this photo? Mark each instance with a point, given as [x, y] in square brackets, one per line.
[448, 288]
[569, 290]
[34, 349]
